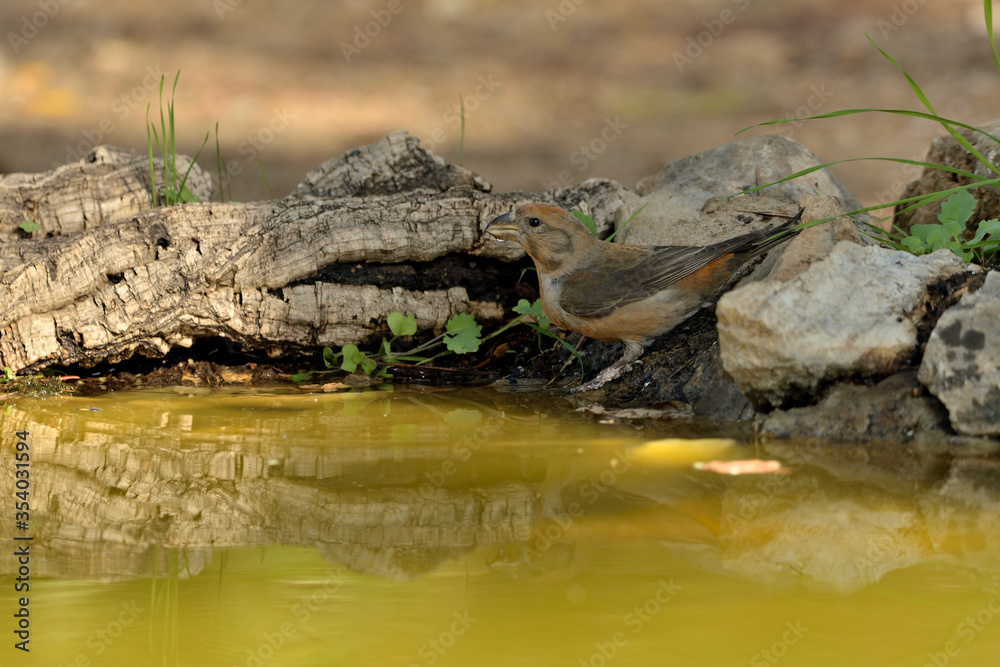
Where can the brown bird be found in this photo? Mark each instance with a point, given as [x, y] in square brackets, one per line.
[618, 292]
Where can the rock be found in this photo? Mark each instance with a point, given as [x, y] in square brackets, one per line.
[946, 151]
[815, 243]
[855, 313]
[961, 364]
[890, 410]
[681, 206]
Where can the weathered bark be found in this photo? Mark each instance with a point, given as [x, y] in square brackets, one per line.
[107, 186]
[105, 285]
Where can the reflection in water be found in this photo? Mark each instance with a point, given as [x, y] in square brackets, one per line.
[314, 504]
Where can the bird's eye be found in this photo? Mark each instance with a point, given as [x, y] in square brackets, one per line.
[534, 222]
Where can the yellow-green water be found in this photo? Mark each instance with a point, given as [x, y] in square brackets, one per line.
[474, 528]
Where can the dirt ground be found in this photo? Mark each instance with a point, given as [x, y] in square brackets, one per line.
[552, 90]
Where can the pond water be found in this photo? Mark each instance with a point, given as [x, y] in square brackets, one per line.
[473, 527]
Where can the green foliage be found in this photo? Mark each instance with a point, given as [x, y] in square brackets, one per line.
[463, 334]
[947, 233]
[353, 357]
[586, 220]
[175, 189]
[951, 126]
[40, 384]
[402, 325]
[533, 310]
[29, 226]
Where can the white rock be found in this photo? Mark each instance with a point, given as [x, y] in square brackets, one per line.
[854, 313]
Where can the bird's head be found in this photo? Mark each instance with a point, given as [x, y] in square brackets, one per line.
[550, 235]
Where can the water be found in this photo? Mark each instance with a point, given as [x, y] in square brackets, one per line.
[477, 528]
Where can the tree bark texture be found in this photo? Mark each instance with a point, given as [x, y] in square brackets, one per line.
[106, 276]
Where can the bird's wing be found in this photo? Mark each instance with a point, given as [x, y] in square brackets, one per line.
[596, 292]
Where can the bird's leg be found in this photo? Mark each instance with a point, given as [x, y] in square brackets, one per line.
[630, 354]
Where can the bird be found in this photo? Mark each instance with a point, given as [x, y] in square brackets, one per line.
[619, 292]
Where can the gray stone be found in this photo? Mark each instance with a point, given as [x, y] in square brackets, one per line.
[890, 410]
[682, 202]
[855, 313]
[961, 364]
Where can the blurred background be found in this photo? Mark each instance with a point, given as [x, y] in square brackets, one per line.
[554, 92]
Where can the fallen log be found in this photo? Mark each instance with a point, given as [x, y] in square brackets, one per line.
[101, 282]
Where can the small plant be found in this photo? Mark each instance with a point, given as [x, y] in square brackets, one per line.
[949, 125]
[29, 226]
[462, 335]
[955, 213]
[175, 188]
[31, 385]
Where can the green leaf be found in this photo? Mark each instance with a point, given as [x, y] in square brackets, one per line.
[534, 310]
[8, 373]
[368, 365]
[463, 334]
[188, 197]
[329, 358]
[987, 228]
[353, 357]
[586, 220]
[935, 236]
[29, 226]
[402, 325]
[914, 244]
[959, 249]
[299, 378]
[957, 208]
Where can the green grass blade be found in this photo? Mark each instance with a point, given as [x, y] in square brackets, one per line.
[461, 137]
[913, 84]
[948, 126]
[218, 163]
[260, 165]
[979, 180]
[988, 12]
[626, 223]
[900, 112]
[149, 145]
[180, 187]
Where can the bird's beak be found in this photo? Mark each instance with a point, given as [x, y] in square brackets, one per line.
[503, 228]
